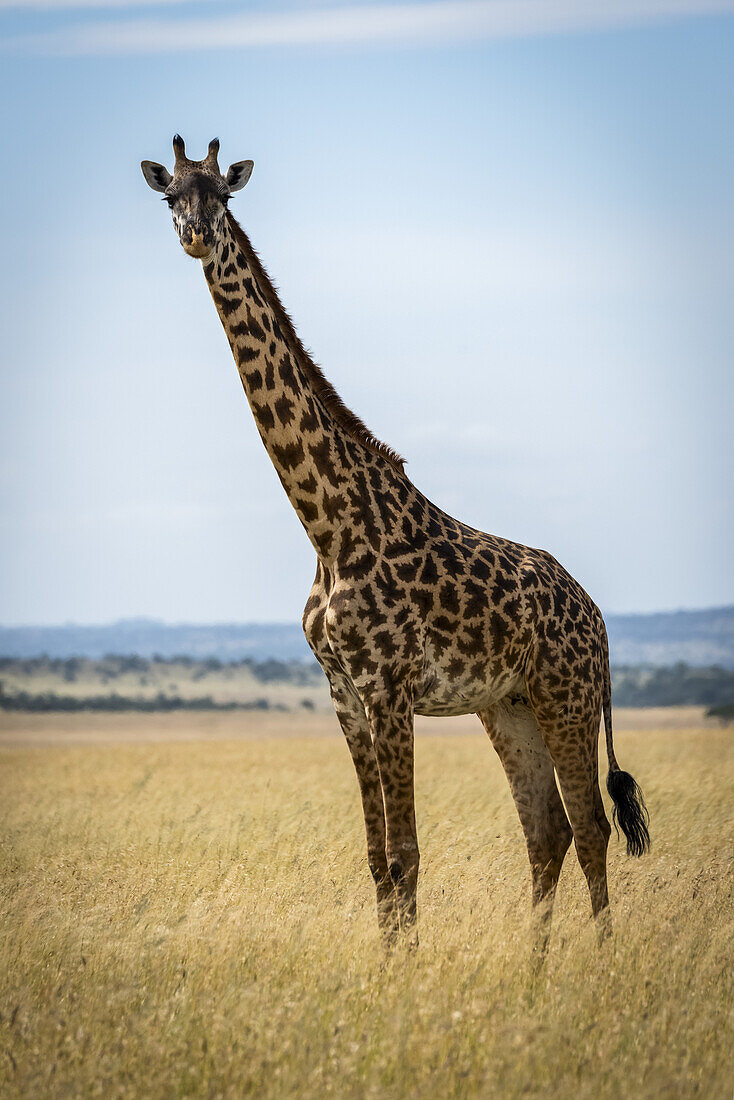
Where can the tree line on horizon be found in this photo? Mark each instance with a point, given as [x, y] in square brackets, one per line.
[632, 685]
[269, 671]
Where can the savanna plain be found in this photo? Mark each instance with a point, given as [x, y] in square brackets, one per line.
[187, 911]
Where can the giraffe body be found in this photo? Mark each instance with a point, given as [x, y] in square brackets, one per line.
[411, 611]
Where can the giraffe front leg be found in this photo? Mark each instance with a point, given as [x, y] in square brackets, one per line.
[391, 721]
[353, 721]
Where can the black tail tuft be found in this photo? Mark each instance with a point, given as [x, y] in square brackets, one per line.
[630, 811]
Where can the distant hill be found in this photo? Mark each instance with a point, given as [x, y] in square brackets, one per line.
[151, 637]
[699, 638]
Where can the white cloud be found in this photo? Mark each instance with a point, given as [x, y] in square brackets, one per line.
[388, 24]
[70, 5]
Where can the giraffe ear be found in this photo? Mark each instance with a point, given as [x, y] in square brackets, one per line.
[156, 176]
[238, 174]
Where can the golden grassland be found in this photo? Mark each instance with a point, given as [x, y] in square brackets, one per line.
[193, 916]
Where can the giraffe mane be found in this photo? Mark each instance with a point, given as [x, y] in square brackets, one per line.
[321, 386]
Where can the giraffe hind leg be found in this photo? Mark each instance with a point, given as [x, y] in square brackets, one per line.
[575, 753]
[517, 740]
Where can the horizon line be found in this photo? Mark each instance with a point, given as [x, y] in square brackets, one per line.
[208, 624]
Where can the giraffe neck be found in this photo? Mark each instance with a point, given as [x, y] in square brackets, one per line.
[320, 451]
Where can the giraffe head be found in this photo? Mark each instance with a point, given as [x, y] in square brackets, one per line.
[197, 194]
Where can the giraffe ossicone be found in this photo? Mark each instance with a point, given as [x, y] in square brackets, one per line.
[412, 611]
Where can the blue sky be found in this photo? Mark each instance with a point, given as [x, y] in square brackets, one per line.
[504, 230]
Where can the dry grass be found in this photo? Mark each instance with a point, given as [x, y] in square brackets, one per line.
[196, 919]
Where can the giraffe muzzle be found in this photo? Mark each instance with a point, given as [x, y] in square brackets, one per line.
[196, 242]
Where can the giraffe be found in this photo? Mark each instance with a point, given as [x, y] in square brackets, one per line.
[411, 611]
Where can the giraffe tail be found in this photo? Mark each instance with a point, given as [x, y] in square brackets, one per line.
[630, 812]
